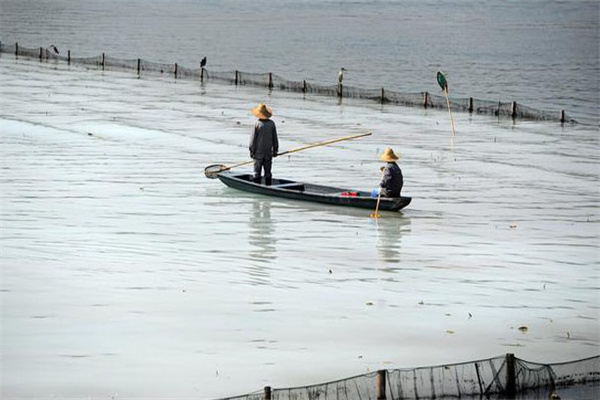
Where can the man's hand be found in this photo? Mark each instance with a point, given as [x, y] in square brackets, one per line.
[274, 154]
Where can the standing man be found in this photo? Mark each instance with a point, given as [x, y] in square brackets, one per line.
[264, 144]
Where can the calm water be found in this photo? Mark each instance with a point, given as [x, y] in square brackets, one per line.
[541, 53]
[125, 272]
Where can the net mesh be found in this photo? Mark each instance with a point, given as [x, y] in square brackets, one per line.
[275, 82]
[487, 378]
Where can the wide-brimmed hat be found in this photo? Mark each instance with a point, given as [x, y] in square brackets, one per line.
[261, 111]
[388, 155]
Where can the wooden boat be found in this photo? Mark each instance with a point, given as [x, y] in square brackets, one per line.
[315, 193]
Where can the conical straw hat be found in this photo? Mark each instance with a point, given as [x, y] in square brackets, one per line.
[388, 155]
[261, 111]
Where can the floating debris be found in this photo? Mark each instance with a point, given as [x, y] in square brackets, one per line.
[523, 329]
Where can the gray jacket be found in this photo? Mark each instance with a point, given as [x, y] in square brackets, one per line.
[392, 180]
[263, 141]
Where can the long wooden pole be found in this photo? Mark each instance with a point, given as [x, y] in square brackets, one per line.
[325, 143]
[310, 146]
[376, 213]
[450, 112]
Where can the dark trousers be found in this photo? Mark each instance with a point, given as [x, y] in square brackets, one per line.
[259, 165]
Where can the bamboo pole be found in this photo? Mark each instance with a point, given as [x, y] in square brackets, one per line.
[68, 57]
[450, 112]
[212, 174]
[511, 384]
[381, 378]
[513, 109]
[267, 393]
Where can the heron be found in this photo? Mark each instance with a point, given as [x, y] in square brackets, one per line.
[203, 62]
[341, 75]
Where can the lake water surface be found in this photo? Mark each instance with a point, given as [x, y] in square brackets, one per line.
[127, 273]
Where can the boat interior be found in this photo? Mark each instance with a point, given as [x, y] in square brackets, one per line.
[276, 183]
[304, 187]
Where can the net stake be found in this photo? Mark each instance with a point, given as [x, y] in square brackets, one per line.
[511, 388]
[381, 378]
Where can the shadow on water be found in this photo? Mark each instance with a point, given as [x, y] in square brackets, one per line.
[389, 237]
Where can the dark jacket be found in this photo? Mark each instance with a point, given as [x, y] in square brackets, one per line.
[392, 180]
[263, 141]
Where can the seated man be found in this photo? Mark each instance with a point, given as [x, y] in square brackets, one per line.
[391, 179]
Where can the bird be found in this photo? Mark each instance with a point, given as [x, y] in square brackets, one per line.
[203, 62]
[53, 47]
[341, 74]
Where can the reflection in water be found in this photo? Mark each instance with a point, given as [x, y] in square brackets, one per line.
[261, 232]
[389, 237]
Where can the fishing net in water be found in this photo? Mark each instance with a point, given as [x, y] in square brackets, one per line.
[213, 170]
[275, 82]
[493, 378]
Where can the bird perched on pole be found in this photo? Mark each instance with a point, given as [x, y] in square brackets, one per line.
[202, 64]
[51, 51]
[341, 75]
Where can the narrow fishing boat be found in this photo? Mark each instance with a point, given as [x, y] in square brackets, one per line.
[315, 193]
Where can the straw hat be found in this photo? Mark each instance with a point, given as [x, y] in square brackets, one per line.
[388, 155]
[261, 111]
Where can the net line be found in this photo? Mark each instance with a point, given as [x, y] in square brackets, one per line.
[275, 82]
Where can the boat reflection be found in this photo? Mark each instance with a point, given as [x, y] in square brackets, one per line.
[389, 237]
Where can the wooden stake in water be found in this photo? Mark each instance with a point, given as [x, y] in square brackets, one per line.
[441, 79]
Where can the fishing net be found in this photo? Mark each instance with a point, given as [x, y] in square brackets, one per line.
[358, 387]
[488, 378]
[275, 82]
[213, 170]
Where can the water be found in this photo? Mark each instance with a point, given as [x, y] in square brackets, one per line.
[125, 272]
[541, 53]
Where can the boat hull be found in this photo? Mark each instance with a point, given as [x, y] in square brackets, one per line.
[288, 189]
